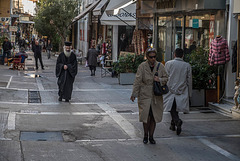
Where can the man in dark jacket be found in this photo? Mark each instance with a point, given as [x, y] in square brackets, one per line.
[37, 49]
[6, 49]
[66, 70]
[92, 59]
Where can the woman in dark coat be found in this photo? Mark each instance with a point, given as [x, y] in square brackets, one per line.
[92, 59]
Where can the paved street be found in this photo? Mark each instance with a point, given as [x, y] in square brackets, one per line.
[100, 123]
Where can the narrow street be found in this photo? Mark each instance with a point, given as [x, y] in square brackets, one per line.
[99, 123]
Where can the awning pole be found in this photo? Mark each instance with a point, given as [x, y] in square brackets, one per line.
[123, 21]
[136, 19]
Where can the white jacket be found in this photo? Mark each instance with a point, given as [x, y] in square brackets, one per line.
[179, 84]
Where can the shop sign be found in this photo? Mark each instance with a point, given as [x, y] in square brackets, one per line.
[163, 4]
[13, 28]
[24, 18]
[195, 23]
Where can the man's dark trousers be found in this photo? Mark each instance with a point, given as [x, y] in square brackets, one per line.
[4, 55]
[174, 112]
[39, 56]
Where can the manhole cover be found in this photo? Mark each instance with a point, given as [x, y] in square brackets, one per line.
[34, 100]
[124, 111]
[33, 94]
[41, 136]
[29, 59]
[3, 84]
[34, 97]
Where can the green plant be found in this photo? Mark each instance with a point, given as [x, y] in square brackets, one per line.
[204, 75]
[128, 63]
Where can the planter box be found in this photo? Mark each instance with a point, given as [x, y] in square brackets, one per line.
[126, 78]
[210, 96]
[198, 97]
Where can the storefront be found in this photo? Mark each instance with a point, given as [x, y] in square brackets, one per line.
[184, 23]
[236, 12]
[84, 26]
[119, 28]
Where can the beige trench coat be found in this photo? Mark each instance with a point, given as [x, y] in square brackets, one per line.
[143, 90]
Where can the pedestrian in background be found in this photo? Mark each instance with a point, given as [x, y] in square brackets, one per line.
[49, 48]
[150, 106]
[37, 49]
[66, 70]
[92, 59]
[180, 89]
[6, 46]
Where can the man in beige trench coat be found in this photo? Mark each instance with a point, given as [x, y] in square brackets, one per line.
[180, 89]
[150, 106]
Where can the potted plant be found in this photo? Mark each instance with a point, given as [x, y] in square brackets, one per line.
[126, 67]
[203, 76]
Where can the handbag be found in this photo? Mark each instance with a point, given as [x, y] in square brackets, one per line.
[157, 88]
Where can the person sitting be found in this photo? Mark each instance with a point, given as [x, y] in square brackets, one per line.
[21, 54]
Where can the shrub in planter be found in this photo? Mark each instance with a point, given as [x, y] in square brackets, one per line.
[128, 63]
[203, 75]
[126, 66]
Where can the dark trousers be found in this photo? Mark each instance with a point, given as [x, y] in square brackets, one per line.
[4, 55]
[91, 67]
[174, 112]
[40, 59]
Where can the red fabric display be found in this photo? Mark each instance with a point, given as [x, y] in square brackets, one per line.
[219, 53]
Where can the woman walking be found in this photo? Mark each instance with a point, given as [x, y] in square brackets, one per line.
[150, 106]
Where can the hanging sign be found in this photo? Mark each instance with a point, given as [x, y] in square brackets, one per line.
[195, 23]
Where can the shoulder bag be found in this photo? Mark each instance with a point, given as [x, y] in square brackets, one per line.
[157, 88]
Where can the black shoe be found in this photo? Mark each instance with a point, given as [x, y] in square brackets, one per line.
[152, 141]
[37, 68]
[179, 127]
[145, 140]
[60, 99]
[66, 100]
[43, 68]
[172, 127]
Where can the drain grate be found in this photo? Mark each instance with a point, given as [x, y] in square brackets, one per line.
[34, 97]
[124, 111]
[41, 136]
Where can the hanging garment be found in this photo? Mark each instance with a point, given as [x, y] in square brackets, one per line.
[138, 41]
[219, 53]
[234, 58]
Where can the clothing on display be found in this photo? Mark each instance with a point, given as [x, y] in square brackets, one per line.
[234, 58]
[138, 41]
[219, 53]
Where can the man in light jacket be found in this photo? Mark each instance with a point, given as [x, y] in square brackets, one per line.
[180, 89]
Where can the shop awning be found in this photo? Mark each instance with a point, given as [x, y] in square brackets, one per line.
[125, 17]
[81, 15]
[29, 22]
[97, 10]
[118, 4]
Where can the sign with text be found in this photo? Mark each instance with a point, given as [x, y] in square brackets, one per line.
[13, 28]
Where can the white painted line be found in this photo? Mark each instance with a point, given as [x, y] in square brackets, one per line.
[16, 89]
[9, 82]
[11, 120]
[39, 84]
[121, 121]
[14, 103]
[219, 149]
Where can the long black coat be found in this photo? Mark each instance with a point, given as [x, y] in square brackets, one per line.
[66, 77]
[92, 57]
